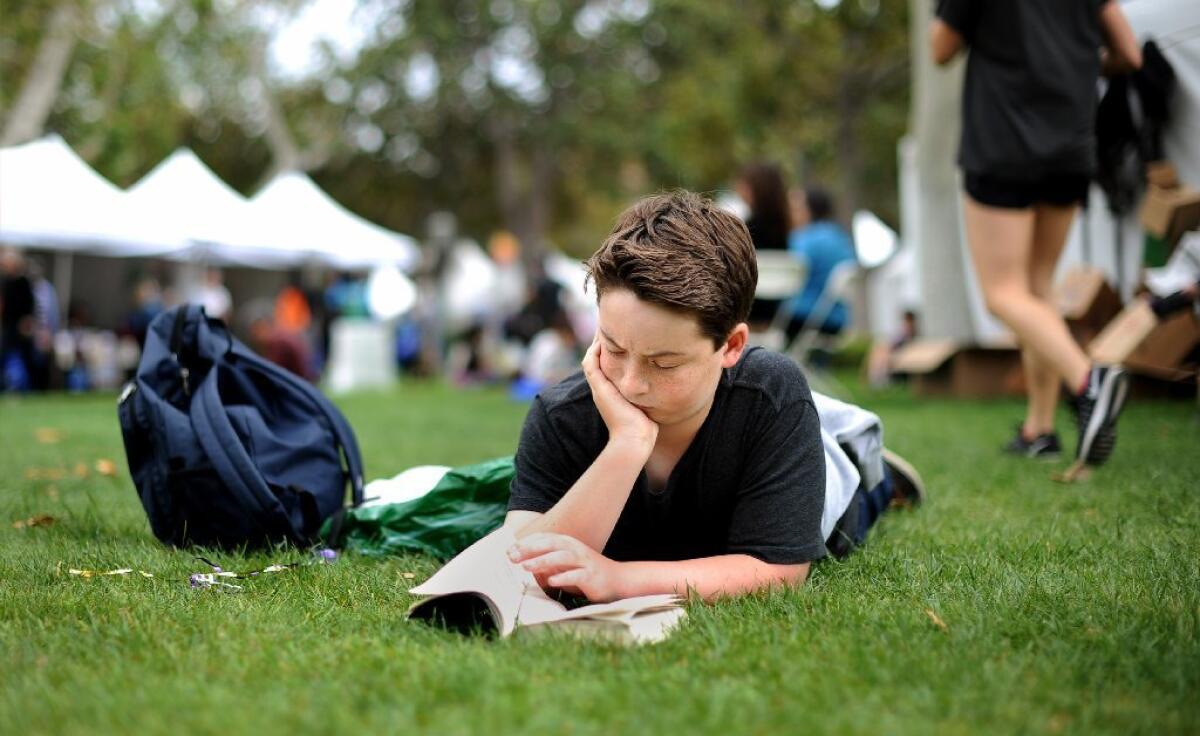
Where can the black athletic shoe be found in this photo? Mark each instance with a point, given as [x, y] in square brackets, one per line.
[906, 481]
[1096, 412]
[1043, 447]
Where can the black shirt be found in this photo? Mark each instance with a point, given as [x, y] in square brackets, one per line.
[752, 481]
[1029, 100]
[16, 303]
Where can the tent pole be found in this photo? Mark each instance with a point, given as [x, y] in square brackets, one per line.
[64, 263]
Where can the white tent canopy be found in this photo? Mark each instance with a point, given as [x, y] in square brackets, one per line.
[219, 223]
[306, 219]
[51, 199]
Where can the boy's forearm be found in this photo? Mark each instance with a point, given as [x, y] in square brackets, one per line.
[590, 509]
[710, 577]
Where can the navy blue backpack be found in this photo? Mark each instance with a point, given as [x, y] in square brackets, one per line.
[227, 449]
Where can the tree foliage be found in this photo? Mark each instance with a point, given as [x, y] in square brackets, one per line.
[543, 117]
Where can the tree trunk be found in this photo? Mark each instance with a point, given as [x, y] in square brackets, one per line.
[507, 176]
[523, 185]
[285, 154]
[849, 151]
[539, 201]
[27, 119]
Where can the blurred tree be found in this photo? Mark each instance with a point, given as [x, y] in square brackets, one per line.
[126, 82]
[44, 72]
[542, 117]
[545, 116]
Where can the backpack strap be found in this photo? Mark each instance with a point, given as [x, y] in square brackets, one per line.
[231, 461]
[341, 428]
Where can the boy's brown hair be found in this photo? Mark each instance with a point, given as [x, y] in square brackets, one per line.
[681, 251]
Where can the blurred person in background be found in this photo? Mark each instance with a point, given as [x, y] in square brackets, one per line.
[284, 348]
[45, 325]
[543, 305]
[17, 322]
[760, 185]
[1027, 153]
[214, 297]
[148, 304]
[553, 355]
[821, 243]
[878, 365]
[292, 310]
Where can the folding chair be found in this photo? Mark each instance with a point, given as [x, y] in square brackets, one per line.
[780, 276]
[837, 288]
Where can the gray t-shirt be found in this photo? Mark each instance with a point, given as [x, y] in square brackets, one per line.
[752, 481]
[1029, 100]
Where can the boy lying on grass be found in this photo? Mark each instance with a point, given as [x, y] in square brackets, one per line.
[678, 458]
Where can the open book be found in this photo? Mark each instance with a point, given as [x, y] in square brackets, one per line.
[481, 588]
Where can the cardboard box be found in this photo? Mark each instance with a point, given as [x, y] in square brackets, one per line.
[1161, 174]
[1169, 213]
[1144, 345]
[940, 367]
[1163, 352]
[1084, 297]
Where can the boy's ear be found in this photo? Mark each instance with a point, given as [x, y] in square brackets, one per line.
[735, 344]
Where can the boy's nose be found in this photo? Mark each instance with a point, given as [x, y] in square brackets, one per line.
[633, 383]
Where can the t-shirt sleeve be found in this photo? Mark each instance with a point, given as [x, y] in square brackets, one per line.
[543, 472]
[776, 515]
[961, 15]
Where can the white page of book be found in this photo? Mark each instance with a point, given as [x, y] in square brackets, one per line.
[484, 568]
[626, 608]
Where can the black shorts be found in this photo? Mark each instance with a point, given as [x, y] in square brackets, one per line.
[1056, 189]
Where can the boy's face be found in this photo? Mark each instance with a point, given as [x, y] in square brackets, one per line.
[659, 360]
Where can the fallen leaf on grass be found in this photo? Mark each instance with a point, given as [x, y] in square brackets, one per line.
[1077, 473]
[81, 470]
[47, 435]
[106, 467]
[408, 575]
[45, 473]
[937, 620]
[39, 520]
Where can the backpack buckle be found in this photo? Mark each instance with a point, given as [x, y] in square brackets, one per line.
[184, 374]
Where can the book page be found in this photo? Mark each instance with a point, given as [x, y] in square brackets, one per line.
[629, 629]
[484, 569]
[622, 609]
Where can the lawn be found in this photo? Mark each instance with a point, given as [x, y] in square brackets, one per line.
[1008, 604]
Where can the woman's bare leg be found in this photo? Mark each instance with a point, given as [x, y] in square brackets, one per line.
[1001, 242]
[1050, 227]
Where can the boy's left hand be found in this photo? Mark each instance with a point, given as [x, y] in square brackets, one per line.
[563, 562]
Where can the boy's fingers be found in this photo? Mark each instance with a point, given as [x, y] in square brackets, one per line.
[577, 576]
[551, 562]
[538, 544]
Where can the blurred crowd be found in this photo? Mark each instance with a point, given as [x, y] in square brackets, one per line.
[479, 315]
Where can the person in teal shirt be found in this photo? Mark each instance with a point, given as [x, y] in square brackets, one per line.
[822, 244]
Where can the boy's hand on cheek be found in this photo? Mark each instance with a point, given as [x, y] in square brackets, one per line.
[625, 422]
[563, 562]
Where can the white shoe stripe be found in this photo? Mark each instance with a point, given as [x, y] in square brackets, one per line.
[1096, 420]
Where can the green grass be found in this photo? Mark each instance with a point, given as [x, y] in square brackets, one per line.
[1066, 609]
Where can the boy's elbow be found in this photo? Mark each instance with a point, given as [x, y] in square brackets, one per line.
[783, 574]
